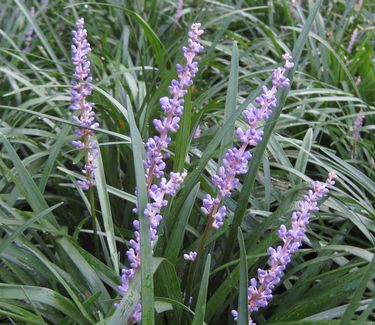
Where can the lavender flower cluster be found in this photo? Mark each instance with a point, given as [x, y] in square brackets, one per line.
[357, 126]
[81, 88]
[236, 159]
[353, 39]
[155, 157]
[30, 32]
[260, 290]
[179, 9]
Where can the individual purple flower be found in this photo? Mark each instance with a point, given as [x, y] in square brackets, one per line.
[190, 257]
[137, 314]
[81, 88]
[197, 133]
[235, 161]
[180, 7]
[353, 39]
[159, 186]
[29, 36]
[357, 126]
[260, 289]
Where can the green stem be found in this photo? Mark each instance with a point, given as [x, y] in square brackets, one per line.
[93, 215]
[194, 264]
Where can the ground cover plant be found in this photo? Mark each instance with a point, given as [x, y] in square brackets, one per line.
[187, 162]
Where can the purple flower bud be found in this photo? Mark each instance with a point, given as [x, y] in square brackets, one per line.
[190, 257]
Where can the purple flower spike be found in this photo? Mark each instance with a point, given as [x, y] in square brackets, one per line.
[158, 185]
[180, 7]
[357, 126]
[29, 36]
[353, 39]
[81, 88]
[260, 289]
[358, 123]
[235, 161]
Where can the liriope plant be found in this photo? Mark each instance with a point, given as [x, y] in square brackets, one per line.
[322, 268]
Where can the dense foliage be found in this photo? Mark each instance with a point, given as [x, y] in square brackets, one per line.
[64, 240]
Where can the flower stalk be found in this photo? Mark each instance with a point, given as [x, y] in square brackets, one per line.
[158, 186]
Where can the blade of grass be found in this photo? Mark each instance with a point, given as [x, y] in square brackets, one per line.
[105, 205]
[183, 135]
[242, 296]
[230, 102]
[303, 155]
[5, 243]
[29, 188]
[356, 298]
[53, 153]
[44, 296]
[174, 243]
[200, 308]
[147, 289]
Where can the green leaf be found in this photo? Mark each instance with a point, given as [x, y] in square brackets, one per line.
[5, 243]
[242, 296]
[147, 290]
[231, 97]
[354, 302]
[183, 135]
[200, 308]
[29, 188]
[303, 155]
[169, 286]
[176, 239]
[105, 205]
[53, 153]
[15, 312]
[42, 295]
